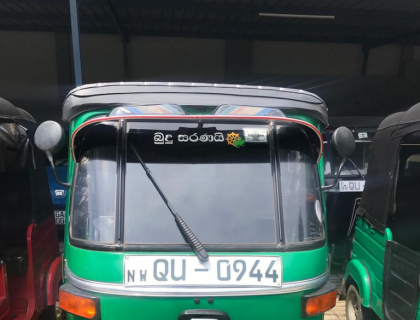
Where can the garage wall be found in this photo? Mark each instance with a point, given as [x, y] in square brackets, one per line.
[298, 58]
[28, 70]
[176, 59]
[36, 71]
[384, 61]
[102, 58]
[152, 59]
[301, 58]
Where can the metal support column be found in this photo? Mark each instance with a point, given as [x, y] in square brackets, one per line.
[125, 39]
[126, 65]
[366, 50]
[75, 37]
[406, 57]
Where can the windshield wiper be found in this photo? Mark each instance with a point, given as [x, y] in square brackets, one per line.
[187, 234]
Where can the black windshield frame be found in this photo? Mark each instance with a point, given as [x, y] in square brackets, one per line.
[119, 244]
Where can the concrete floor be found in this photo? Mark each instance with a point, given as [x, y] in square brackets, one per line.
[337, 313]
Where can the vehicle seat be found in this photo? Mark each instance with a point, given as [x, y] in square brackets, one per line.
[16, 259]
[15, 209]
[15, 217]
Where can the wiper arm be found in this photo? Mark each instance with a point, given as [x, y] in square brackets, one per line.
[187, 234]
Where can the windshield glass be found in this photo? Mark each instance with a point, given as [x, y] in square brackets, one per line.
[94, 195]
[223, 192]
[94, 199]
[301, 203]
[221, 178]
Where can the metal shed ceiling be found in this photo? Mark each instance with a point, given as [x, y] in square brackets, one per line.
[370, 22]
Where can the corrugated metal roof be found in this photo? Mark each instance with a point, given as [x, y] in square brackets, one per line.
[370, 22]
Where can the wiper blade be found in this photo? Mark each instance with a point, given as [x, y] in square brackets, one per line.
[186, 232]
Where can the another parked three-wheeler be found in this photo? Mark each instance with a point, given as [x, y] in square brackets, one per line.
[343, 198]
[186, 216]
[382, 279]
[30, 262]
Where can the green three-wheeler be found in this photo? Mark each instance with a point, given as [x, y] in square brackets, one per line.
[382, 279]
[181, 215]
[342, 200]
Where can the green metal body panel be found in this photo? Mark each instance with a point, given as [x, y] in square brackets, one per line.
[107, 266]
[418, 311]
[367, 265]
[357, 271]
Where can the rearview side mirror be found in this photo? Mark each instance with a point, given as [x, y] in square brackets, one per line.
[49, 138]
[343, 144]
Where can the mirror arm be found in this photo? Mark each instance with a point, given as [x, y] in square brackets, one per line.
[51, 160]
[343, 161]
[357, 169]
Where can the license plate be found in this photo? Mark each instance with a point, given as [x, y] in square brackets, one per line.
[59, 217]
[148, 270]
[352, 186]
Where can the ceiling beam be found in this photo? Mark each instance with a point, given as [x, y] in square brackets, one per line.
[253, 7]
[298, 29]
[390, 16]
[337, 38]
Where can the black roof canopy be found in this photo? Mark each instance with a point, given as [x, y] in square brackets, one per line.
[9, 112]
[23, 176]
[378, 199]
[97, 96]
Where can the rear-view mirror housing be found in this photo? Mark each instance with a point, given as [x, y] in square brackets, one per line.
[342, 142]
[49, 137]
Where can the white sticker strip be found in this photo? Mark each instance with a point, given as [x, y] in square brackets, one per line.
[256, 135]
[363, 135]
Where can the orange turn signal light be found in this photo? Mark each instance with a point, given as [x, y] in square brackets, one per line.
[320, 304]
[79, 306]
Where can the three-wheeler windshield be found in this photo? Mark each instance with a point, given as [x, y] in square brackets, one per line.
[223, 191]
[233, 184]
